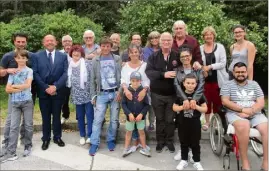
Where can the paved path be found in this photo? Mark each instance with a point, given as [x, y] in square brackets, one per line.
[75, 157]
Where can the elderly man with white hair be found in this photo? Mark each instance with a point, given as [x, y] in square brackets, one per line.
[160, 69]
[91, 49]
[67, 43]
[115, 37]
[181, 37]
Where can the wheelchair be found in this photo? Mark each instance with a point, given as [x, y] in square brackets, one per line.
[221, 133]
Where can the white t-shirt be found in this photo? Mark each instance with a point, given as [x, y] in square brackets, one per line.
[127, 70]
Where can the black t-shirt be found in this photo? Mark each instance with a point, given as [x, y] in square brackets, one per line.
[8, 60]
[190, 113]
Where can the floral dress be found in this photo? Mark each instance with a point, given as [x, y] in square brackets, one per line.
[78, 95]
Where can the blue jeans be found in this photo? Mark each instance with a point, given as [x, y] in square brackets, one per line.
[102, 101]
[82, 110]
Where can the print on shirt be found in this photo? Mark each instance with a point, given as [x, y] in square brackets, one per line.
[108, 74]
[245, 98]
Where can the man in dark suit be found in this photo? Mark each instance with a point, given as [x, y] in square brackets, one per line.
[50, 72]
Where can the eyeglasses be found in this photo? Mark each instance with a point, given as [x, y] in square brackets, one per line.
[184, 57]
[154, 38]
[240, 72]
[239, 32]
[136, 39]
[88, 37]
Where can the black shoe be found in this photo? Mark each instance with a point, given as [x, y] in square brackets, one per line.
[159, 148]
[170, 147]
[45, 145]
[59, 142]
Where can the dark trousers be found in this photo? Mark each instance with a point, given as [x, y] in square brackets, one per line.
[189, 133]
[50, 106]
[165, 126]
[83, 110]
[65, 107]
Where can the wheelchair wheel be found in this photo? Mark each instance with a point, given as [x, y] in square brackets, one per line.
[257, 147]
[216, 133]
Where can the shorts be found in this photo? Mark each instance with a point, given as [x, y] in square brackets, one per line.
[130, 125]
[254, 121]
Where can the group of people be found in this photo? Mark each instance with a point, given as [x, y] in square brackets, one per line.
[172, 79]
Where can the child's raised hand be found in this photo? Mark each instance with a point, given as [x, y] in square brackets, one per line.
[186, 104]
[131, 117]
[193, 104]
[139, 117]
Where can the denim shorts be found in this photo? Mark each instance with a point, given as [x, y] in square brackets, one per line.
[254, 121]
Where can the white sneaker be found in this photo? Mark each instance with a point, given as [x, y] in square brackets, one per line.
[82, 141]
[182, 164]
[177, 157]
[198, 166]
[140, 146]
[88, 141]
[63, 120]
[133, 148]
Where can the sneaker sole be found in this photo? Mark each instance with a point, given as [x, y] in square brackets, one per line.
[10, 159]
[148, 155]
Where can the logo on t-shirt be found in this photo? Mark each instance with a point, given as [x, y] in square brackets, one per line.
[245, 98]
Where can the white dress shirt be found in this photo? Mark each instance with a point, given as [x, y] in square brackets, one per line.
[52, 54]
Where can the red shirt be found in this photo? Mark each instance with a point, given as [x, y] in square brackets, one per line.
[191, 41]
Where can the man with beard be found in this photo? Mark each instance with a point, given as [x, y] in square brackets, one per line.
[245, 100]
[115, 37]
[8, 65]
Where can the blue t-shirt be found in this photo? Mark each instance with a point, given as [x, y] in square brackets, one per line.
[20, 78]
[108, 74]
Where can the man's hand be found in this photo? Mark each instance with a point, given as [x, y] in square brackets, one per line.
[90, 56]
[12, 70]
[128, 94]
[139, 117]
[243, 115]
[142, 94]
[170, 74]
[118, 97]
[248, 111]
[131, 117]
[197, 65]
[93, 102]
[186, 104]
[193, 104]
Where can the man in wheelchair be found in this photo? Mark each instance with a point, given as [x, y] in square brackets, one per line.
[245, 100]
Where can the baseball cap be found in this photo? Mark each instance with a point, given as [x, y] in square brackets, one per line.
[135, 75]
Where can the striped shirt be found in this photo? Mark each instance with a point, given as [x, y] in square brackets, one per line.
[245, 96]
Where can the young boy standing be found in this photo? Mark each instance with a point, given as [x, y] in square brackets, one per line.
[19, 86]
[189, 124]
[136, 113]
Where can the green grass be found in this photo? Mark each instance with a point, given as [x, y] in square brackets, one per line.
[37, 113]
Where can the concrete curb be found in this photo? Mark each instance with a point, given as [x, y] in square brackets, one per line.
[151, 135]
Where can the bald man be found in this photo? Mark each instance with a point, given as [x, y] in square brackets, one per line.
[50, 72]
[161, 70]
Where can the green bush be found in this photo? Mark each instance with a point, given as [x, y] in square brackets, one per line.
[36, 26]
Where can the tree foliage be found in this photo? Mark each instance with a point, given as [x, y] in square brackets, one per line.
[36, 26]
[145, 16]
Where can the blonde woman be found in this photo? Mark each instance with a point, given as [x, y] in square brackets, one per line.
[152, 45]
[214, 63]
